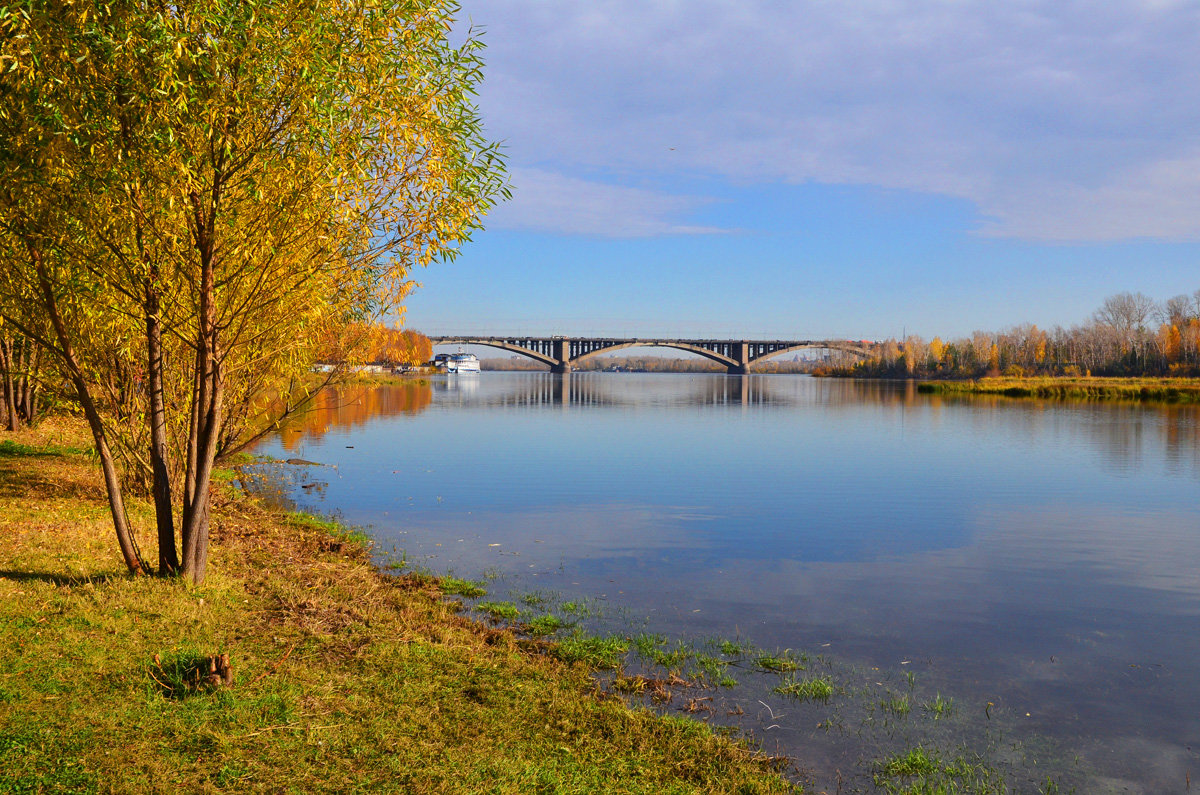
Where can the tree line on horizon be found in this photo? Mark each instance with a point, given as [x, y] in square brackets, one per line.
[1130, 334]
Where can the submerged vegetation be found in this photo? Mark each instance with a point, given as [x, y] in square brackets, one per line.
[920, 772]
[816, 688]
[908, 738]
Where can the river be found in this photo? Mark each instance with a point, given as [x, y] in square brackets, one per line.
[1031, 564]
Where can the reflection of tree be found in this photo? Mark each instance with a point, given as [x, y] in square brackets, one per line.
[347, 407]
[1125, 432]
[1123, 436]
[1181, 437]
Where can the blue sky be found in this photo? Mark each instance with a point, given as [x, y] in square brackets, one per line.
[759, 169]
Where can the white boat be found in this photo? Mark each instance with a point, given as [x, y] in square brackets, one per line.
[456, 363]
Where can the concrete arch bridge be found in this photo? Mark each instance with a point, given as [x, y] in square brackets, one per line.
[560, 353]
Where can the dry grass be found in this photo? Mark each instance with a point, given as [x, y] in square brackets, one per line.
[344, 679]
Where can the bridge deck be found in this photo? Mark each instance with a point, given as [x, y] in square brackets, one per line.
[736, 355]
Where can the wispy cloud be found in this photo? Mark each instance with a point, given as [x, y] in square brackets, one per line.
[1157, 200]
[1059, 119]
[551, 202]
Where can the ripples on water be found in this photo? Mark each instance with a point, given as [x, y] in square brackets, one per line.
[1040, 556]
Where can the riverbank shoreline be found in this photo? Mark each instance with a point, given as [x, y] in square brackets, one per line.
[342, 677]
[1167, 390]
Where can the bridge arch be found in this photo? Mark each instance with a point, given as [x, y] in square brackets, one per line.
[724, 361]
[844, 346]
[504, 345]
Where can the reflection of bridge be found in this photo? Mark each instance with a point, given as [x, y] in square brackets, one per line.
[736, 355]
[541, 389]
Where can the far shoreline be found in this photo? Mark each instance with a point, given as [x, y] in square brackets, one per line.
[1146, 389]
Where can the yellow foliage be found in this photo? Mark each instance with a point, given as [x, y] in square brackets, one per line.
[937, 350]
[1170, 341]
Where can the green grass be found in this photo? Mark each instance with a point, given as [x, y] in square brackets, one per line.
[13, 449]
[914, 763]
[646, 644]
[896, 705]
[939, 707]
[348, 536]
[580, 609]
[732, 648]
[715, 670]
[593, 651]
[536, 599]
[816, 688]
[501, 611]
[455, 586]
[780, 663]
[544, 626]
[921, 772]
[653, 648]
[344, 679]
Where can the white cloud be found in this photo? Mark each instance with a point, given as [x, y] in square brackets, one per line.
[1159, 200]
[547, 201]
[1053, 116]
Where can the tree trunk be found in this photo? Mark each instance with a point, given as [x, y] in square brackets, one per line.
[29, 382]
[204, 443]
[112, 482]
[168, 559]
[206, 411]
[9, 396]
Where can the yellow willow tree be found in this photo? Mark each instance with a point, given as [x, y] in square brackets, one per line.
[206, 189]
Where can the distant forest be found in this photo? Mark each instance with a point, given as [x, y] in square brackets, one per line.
[1130, 334]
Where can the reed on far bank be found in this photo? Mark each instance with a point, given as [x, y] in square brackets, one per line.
[1168, 390]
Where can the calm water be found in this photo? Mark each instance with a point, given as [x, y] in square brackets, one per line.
[1039, 556]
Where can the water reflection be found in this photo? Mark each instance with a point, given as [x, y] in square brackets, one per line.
[1038, 555]
[350, 406]
[599, 390]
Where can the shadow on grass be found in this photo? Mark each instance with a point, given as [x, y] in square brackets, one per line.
[11, 449]
[181, 675]
[20, 483]
[72, 581]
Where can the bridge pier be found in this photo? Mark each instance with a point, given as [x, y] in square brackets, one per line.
[561, 350]
[740, 352]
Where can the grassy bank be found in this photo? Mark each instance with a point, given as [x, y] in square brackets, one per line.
[343, 679]
[1171, 390]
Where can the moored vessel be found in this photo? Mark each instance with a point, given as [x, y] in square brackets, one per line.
[456, 363]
